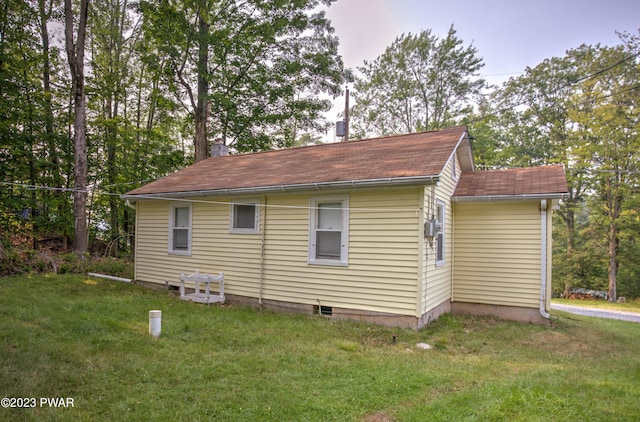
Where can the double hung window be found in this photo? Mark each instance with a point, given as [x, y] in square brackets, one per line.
[329, 231]
[440, 226]
[180, 229]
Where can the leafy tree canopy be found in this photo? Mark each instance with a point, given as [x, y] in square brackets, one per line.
[260, 67]
[420, 82]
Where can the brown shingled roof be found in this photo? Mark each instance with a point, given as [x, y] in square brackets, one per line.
[538, 181]
[395, 157]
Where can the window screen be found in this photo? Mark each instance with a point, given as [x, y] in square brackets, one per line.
[244, 216]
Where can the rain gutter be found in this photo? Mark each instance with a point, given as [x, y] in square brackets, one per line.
[352, 184]
[498, 198]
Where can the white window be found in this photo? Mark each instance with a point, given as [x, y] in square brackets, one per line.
[180, 229]
[329, 230]
[440, 225]
[245, 217]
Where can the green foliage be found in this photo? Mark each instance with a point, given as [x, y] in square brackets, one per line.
[266, 65]
[23, 261]
[485, 136]
[31, 144]
[71, 264]
[419, 83]
[269, 65]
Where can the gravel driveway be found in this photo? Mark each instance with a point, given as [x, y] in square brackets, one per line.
[599, 313]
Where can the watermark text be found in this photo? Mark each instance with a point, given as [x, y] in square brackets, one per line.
[27, 402]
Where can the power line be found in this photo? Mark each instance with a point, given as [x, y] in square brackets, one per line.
[602, 97]
[204, 201]
[569, 85]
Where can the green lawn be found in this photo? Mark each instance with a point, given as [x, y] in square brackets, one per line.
[70, 336]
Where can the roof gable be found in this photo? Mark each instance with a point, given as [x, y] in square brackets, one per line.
[543, 181]
[398, 158]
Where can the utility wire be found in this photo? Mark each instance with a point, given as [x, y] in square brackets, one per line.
[567, 85]
[203, 201]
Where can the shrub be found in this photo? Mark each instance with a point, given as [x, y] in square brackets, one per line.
[16, 262]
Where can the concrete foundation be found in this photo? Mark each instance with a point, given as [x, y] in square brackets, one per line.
[528, 315]
[337, 313]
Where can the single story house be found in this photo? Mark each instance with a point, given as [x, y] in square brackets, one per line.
[394, 230]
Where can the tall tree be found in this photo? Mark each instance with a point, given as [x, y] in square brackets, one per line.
[243, 69]
[75, 54]
[113, 39]
[420, 82]
[54, 170]
[26, 121]
[607, 120]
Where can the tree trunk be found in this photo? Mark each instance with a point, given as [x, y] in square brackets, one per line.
[51, 142]
[75, 54]
[201, 112]
[569, 220]
[614, 210]
[613, 262]
[111, 135]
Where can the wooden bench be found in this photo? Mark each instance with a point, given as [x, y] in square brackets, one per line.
[197, 295]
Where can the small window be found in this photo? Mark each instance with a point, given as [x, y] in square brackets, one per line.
[329, 231]
[180, 229]
[245, 217]
[440, 229]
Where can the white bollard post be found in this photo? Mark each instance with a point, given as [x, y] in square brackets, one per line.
[155, 322]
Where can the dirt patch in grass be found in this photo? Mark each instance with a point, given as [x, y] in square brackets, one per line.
[562, 344]
[378, 417]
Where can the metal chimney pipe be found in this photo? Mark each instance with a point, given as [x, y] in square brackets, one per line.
[218, 148]
[346, 115]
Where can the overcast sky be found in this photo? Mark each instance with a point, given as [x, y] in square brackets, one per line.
[508, 34]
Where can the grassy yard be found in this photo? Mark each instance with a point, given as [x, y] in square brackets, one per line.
[87, 339]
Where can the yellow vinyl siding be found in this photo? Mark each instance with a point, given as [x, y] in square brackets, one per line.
[436, 279]
[382, 269]
[213, 248]
[382, 266]
[497, 253]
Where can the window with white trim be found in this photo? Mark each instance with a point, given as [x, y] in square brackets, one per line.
[180, 229]
[245, 217]
[440, 232]
[329, 230]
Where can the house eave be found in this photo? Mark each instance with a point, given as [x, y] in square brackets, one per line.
[498, 198]
[313, 187]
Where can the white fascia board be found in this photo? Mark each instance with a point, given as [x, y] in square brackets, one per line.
[523, 197]
[311, 187]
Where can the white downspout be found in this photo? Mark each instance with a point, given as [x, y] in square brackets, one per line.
[543, 259]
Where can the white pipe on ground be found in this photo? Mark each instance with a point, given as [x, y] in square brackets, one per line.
[155, 323]
[110, 277]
